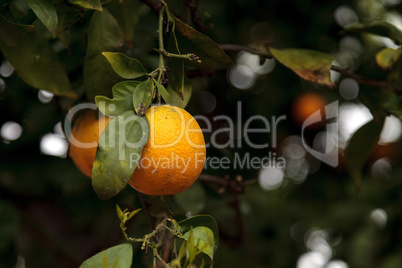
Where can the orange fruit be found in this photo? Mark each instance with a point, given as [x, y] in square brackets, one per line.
[84, 140]
[175, 154]
[171, 161]
[305, 105]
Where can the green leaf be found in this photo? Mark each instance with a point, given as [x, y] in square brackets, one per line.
[90, 4]
[202, 221]
[142, 96]
[120, 256]
[126, 14]
[378, 27]
[118, 153]
[360, 147]
[309, 64]
[120, 213]
[176, 68]
[191, 41]
[122, 99]
[175, 100]
[46, 12]
[162, 90]
[104, 34]
[13, 33]
[387, 57]
[37, 63]
[202, 238]
[133, 213]
[124, 66]
[193, 199]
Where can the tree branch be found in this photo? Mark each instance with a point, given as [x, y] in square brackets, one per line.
[363, 80]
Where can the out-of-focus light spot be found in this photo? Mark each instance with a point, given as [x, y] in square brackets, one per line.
[297, 169]
[20, 262]
[54, 144]
[391, 131]
[347, 60]
[58, 129]
[349, 89]
[336, 264]
[390, 3]
[381, 168]
[315, 239]
[345, 16]
[189, 214]
[2, 85]
[351, 45]
[351, 117]
[45, 96]
[253, 62]
[320, 143]
[379, 217]
[311, 260]
[10, 131]
[6, 69]
[294, 150]
[270, 178]
[242, 77]
[207, 101]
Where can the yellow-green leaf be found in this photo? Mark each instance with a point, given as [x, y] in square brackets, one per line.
[309, 64]
[124, 66]
[387, 57]
[120, 256]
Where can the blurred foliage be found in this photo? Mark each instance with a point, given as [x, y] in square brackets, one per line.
[51, 217]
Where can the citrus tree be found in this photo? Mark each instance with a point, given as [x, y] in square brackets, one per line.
[226, 133]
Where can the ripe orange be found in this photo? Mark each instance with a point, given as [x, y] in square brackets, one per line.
[86, 130]
[172, 159]
[174, 156]
[305, 105]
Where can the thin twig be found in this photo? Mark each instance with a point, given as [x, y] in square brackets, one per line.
[154, 5]
[192, 6]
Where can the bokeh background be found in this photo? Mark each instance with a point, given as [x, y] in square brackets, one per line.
[306, 215]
